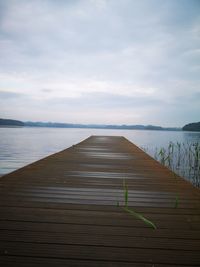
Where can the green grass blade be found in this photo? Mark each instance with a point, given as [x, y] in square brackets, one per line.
[125, 193]
[176, 201]
[141, 217]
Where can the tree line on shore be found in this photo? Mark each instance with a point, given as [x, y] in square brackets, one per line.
[17, 123]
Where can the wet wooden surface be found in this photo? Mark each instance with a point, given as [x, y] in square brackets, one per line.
[63, 210]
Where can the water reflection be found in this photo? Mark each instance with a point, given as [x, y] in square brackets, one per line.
[21, 146]
[191, 136]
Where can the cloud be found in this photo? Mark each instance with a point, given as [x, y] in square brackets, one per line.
[116, 54]
[4, 95]
[105, 101]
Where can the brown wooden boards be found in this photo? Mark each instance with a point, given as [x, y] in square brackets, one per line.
[67, 210]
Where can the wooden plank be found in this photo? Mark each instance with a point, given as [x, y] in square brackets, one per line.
[182, 234]
[10, 261]
[98, 239]
[80, 252]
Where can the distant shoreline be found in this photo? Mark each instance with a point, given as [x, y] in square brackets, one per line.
[95, 127]
[16, 123]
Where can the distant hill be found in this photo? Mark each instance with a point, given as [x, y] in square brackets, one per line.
[6, 122]
[195, 126]
[98, 126]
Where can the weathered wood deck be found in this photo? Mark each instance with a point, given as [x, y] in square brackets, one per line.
[62, 210]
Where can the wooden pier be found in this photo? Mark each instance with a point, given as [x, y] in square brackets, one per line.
[67, 210]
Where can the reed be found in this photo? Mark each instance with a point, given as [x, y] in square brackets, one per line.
[181, 158]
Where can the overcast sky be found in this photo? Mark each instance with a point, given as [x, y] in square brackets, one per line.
[100, 61]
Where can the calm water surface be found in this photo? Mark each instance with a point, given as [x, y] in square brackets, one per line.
[21, 146]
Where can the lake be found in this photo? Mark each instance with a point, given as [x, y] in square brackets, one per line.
[21, 146]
